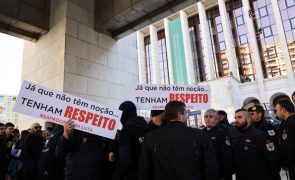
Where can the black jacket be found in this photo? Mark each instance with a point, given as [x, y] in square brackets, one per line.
[49, 166]
[177, 152]
[224, 151]
[256, 156]
[130, 142]
[85, 156]
[269, 129]
[287, 144]
[3, 158]
[152, 127]
[31, 149]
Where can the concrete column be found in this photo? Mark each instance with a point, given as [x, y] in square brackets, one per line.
[205, 33]
[141, 58]
[284, 45]
[230, 48]
[168, 46]
[254, 46]
[155, 56]
[187, 48]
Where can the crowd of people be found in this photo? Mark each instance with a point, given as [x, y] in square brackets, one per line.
[163, 148]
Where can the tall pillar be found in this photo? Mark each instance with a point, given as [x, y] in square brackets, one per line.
[230, 48]
[141, 58]
[187, 48]
[281, 32]
[155, 56]
[208, 53]
[254, 46]
[168, 47]
[72, 57]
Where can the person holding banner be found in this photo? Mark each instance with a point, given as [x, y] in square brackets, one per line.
[176, 151]
[85, 154]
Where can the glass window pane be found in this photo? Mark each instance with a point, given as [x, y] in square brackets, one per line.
[240, 20]
[267, 32]
[290, 3]
[263, 12]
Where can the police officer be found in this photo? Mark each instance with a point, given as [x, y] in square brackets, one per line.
[257, 118]
[221, 144]
[230, 130]
[256, 156]
[286, 112]
[176, 151]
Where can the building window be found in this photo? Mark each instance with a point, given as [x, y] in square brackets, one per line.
[148, 59]
[164, 73]
[268, 39]
[240, 36]
[243, 39]
[290, 3]
[287, 10]
[197, 48]
[267, 32]
[217, 39]
[263, 12]
[240, 20]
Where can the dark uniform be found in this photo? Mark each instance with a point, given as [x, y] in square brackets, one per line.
[224, 151]
[177, 152]
[152, 127]
[268, 128]
[85, 156]
[31, 149]
[256, 156]
[287, 142]
[130, 142]
[265, 126]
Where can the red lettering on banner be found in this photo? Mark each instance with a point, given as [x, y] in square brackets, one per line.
[112, 124]
[75, 113]
[82, 115]
[89, 116]
[85, 117]
[189, 98]
[68, 112]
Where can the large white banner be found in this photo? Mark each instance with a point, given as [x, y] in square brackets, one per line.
[51, 105]
[155, 97]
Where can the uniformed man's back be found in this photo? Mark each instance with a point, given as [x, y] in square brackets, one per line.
[177, 151]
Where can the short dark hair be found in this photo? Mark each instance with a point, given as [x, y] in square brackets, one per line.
[1, 124]
[15, 131]
[173, 108]
[240, 110]
[221, 112]
[9, 124]
[287, 105]
[293, 94]
[156, 112]
[50, 129]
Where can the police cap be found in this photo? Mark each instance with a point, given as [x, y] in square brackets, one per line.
[256, 108]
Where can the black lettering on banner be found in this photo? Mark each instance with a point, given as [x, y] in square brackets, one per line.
[40, 106]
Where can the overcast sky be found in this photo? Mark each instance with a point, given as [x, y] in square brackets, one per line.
[11, 53]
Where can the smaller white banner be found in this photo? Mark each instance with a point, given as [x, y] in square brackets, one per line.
[155, 96]
[58, 107]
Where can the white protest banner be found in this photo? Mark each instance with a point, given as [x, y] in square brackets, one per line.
[44, 103]
[156, 96]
